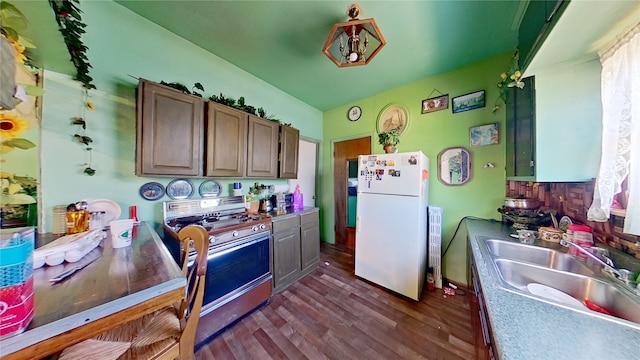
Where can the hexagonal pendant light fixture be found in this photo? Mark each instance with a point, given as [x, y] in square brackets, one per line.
[354, 42]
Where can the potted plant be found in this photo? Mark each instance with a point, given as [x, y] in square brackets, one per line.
[389, 139]
[252, 201]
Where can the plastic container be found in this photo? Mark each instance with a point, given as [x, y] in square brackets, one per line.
[96, 220]
[16, 280]
[77, 221]
[69, 247]
[297, 199]
[580, 235]
[281, 206]
[59, 220]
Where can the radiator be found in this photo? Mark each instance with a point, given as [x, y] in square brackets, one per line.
[435, 243]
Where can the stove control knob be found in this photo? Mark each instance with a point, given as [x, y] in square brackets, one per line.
[212, 240]
[263, 226]
[235, 233]
[255, 228]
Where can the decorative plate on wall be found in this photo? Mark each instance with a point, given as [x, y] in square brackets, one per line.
[393, 116]
[210, 188]
[152, 191]
[180, 189]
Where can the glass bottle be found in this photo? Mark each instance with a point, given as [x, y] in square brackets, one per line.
[280, 204]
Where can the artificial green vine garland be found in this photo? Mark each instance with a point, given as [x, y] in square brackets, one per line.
[239, 104]
[71, 27]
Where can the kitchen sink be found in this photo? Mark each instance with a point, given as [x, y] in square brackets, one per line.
[603, 294]
[521, 268]
[546, 257]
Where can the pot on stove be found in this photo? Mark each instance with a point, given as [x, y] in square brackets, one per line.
[521, 203]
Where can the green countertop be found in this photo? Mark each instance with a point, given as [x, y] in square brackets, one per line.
[525, 328]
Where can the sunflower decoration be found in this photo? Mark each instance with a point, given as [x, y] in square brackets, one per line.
[19, 49]
[11, 127]
[17, 194]
[12, 24]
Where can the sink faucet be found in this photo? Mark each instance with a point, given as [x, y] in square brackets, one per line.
[604, 261]
[623, 275]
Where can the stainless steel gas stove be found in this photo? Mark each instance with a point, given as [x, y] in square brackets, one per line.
[225, 219]
[239, 275]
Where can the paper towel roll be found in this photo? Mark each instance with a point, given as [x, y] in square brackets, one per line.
[280, 187]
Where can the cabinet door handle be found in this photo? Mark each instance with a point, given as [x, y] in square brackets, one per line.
[531, 163]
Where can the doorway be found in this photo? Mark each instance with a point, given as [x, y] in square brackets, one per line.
[345, 153]
[307, 171]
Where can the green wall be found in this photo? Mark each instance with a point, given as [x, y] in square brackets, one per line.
[123, 45]
[431, 133]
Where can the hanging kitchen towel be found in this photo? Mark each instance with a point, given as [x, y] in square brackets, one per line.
[297, 202]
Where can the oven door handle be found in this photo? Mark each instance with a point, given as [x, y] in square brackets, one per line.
[250, 240]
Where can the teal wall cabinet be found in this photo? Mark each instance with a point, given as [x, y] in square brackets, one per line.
[564, 130]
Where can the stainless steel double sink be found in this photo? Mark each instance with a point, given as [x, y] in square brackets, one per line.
[517, 265]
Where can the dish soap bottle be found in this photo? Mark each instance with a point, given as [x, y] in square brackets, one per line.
[296, 199]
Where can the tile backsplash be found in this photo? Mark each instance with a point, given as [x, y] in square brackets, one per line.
[573, 200]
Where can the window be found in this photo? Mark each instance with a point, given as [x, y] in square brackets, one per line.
[618, 177]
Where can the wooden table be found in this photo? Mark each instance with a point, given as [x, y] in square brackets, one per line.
[123, 284]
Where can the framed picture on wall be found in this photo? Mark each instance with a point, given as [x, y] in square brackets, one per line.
[484, 135]
[393, 117]
[467, 102]
[435, 104]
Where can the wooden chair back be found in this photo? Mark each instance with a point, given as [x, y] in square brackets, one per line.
[193, 236]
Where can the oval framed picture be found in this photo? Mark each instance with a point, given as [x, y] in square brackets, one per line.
[393, 117]
[180, 189]
[209, 188]
[152, 191]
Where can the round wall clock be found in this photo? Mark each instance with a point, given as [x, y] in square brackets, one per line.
[354, 113]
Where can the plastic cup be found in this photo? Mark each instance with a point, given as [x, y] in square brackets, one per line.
[121, 232]
[527, 236]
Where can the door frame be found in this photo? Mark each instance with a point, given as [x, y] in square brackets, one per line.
[342, 236]
[316, 186]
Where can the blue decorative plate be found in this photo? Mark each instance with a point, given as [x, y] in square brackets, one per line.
[152, 191]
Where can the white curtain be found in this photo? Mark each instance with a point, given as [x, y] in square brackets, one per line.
[621, 129]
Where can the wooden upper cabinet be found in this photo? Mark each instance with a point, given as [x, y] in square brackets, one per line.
[226, 141]
[262, 148]
[289, 141]
[169, 131]
[172, 139]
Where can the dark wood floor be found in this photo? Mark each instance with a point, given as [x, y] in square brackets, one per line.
[331, 314]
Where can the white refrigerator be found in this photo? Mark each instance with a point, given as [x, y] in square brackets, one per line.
[391, 221]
